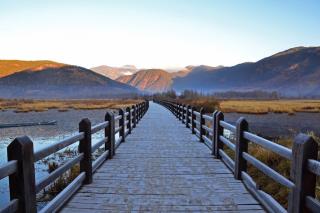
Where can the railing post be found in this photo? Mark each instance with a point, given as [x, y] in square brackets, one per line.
[134, 116]
[241, 146]
[193, 117]
[110, 133]
[183, 113]
[202, 122]
[187, 116]
[85, 148]
[139, 112]
[213, 124]
[129, 126]
[137, 115]
[304, 148]
[218, 133]
[22, 182]
[177, 111]
[122, 125]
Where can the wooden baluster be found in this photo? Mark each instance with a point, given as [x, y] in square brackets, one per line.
[218, 133]
[213, 138]
[129, 126]
[193, 118]
[202, 122]
[187, 116]
[122, 125]
[85, 148]
[22, 183]
[241, 146]
[182, 113]
[138, 111]
[176, 108]
[304, 148]
[134, 116]
[110, 133]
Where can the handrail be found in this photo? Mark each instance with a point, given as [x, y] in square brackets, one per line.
[57, 146]
[99, 127]
[8, 168]
[207, 117]
[304, 152]
[228, 126]
[22, 158]
[280, 150]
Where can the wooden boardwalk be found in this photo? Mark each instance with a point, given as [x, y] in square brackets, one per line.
[162, 167]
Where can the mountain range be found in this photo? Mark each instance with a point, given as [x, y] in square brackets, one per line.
[55, 80]
[293, 72]
[115, 72]
[154, 80]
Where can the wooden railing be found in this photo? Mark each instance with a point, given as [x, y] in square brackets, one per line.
[303, 157]
[21, 158]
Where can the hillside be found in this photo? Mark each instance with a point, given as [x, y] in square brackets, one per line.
[115, 72]
[294, 72]
[183, 72]
[8, 67]
[150, 80]
[61, 82]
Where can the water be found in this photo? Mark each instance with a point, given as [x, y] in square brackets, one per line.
[279, 125]
[42, 135]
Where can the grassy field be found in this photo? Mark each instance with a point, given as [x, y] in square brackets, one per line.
[62, 105]
[255, 106]
[264, 107]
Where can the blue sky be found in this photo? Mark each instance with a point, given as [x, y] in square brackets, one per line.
[154, 33]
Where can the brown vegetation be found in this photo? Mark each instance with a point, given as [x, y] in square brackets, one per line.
[62, 105]
[9, 67]
[275, 106]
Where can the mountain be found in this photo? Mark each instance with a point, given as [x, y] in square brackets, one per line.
[8, 67]
[61, 82]
[294, 72]
[183, 72]
[150, 80]
[115, 72]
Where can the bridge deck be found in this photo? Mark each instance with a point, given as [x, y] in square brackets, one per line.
[162, 167]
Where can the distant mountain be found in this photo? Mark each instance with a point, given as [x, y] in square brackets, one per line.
[115, 72]
[183, 72]
[61, 82]
[8, 67]
[294, 72]
[150, 80]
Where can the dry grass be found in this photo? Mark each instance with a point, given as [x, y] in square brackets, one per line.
[208, 104]
[276, 162]
[21, 106]
[275, 106]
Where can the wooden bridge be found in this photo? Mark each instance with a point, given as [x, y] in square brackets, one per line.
[162, 167]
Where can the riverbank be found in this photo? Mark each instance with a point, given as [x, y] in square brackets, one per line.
[23, 106]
